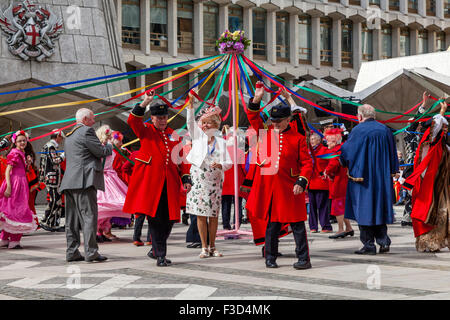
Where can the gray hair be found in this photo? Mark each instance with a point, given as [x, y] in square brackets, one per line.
[367, 111]
[82, 113]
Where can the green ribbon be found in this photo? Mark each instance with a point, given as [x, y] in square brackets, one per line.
[120, 152]
[415, 120]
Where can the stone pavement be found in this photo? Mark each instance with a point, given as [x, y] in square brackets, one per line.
[39, 271]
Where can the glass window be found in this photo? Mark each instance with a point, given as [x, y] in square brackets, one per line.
[347, 29]
[412, 6]
[404, 42]
[394, 5]
[447, 8]
[374, 2]
[185, 13]
[210, 27]
[386, 42]
[440, 41]
[235, 18]
[326, 51]
[282, 36]
[131, 23]
[431, 7]
[158, 24]
[304, 23]
[367, 43]
[423, 41]
[259, 32]
[355, 2]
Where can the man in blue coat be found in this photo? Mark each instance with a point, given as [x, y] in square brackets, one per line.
[370, 155]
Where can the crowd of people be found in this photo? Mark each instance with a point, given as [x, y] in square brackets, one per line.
[287, 175]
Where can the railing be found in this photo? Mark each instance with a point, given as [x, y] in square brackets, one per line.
[282, 53]
[355, 2]
[259, 50]
[326, 57]
[304, 55]
[367, 57]
[209, 46]
[131, 38]
[346, 58]
[158, 41]
[185, 42]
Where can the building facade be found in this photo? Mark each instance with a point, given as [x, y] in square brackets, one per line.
[297, 40]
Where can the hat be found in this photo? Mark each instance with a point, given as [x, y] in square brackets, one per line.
[280, 111]
[210, 111]
[159, 110]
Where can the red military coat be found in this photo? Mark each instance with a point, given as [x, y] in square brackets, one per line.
[153, 168]
[338, 184]
[276, 174]
[317, 183]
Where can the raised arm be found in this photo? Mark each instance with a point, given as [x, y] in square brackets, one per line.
[254, 106]
[135, 119]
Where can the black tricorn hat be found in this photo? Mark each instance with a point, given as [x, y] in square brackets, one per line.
[280, 111]
[159, 110]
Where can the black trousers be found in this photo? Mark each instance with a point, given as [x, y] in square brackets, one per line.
[301, 241]
[227, 202]
[192, 234]
[370, 234]
[138, 224]
[160, 226]
[53, 211]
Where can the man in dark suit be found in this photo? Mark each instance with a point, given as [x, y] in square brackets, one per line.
[82, 179]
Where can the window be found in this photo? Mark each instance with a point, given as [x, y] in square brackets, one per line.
[367, 43]
[423, 41]
[412, 6]
[440, 41]
[374, 2]
[282, 36]
[447, 8]
[158, 25]
[347, 29]
[431, 7]
[259, 33]
[235, 18]
[304, 22]
[131, 24]
[404, 42]
[394, 5]
[326, 52]
[185, 35]
[386, 42]
[210, 27]
[355, 2]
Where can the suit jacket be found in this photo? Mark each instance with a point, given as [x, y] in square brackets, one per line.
[84, 153]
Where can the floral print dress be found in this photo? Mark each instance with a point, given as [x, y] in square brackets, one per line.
[205, 197]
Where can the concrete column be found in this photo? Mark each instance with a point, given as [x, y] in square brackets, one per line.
[403, 6]
[336, 35]
[198, 29]
[440, 9]
[168, 86]
[422, 8]
[271, 37]
[145, 26]
[431, 41]
[248, 29]
[414, 41]
[140, 80]
[315, 42]
[357, 49]
[223, 18]
[376, 34]
[293, 39]
[119, 17]
[172, 42]
[395, 42]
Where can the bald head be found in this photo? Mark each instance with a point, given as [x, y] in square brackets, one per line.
[85, 116]
[366, 111]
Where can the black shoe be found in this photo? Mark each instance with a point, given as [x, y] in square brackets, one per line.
[338, 235]
[302, 265]
[194, 245]
[100, 239]
[384, 249]
[406, 224]
[105, 239]
[61, 229]
[350, 233]
[227, 228]
[244, 221]
[271, 264]
[150, 254]
[99, 258]
[163, 262]
[366, 251]
[80, 258]
[45, 227]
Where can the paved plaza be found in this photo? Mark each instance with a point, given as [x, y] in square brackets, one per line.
[39, 271]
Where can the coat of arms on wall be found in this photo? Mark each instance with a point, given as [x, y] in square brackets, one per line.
[31, 30]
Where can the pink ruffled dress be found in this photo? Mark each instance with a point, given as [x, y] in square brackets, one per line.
[16, 217]
[110, 202]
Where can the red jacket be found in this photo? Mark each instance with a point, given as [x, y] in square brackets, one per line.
[317, 183]
[276, 174]
[338, 175]
[118, 162]
[153, 169]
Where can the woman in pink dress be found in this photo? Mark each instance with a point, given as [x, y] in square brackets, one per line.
[16, 217]
[110, 202]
